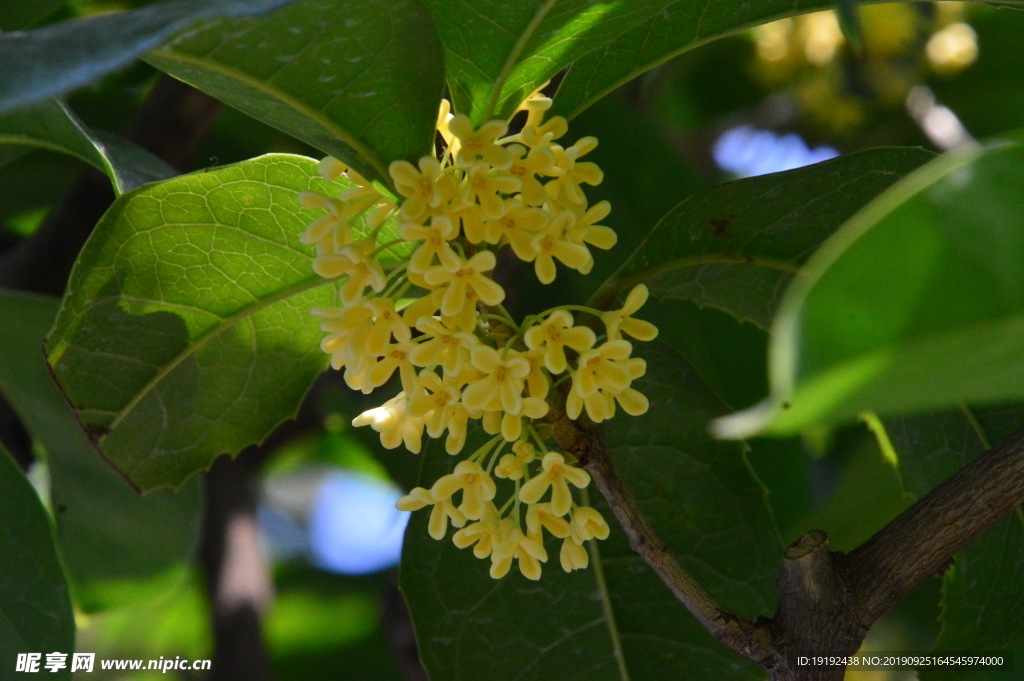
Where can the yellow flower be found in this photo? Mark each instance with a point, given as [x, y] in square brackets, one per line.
[443, 410]
[447, 347]
[573, 556]
[332, 230]
[478, 145]
[554, 334]
[387, 323]
[501, 387]
[512, 424]
[485, 185]
[464, 276]
[526, 165]
[348, 330]
[619, 322]
[543, 515]
[396, 356]
[551, 244]
[394, 424]
[356, 261]
[557, 475]
[569, 172]
[330, 168]
[513, 466]
[603, 368]
[485, 533]
[474, 482]
[422, 188]
[536, 382]
[518, 225]
[444, 116]
[435, 243]
[583, 228]
[516, 546]
[587, 523]
[541, 136]
[439, 516]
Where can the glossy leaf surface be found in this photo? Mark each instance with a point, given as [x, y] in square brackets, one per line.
[35, 611]
[187, 331]
[705, 504]
[52, 125]
[360, 80]
[737, 246]
[47, 62]
[105, 530]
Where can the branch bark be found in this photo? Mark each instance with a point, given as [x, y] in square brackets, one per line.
[827, 600]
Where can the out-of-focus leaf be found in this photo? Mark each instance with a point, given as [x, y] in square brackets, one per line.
[680, 26]
[736, 246]
[52, 125]
[602, 624]
[497, 53]
[358, 79]
[917, 303]
[983, 595]
[35, 611]
[186, 332]
[17, 15]
[105, 530]
[47, 62]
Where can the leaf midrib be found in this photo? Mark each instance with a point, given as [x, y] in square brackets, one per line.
[513, 58]
[226, 323]
[274, 92]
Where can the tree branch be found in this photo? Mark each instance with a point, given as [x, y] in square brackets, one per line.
[925, 537]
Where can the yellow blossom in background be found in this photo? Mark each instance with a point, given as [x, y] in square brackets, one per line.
[433, 315]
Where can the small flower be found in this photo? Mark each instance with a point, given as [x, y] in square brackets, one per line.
[348, 330]
[602, 368]
[526, 165]
[485, 185]
[396, 356]
[518, 225]
[513, 466]
[439, 516]
[551, 244]
[478, 145]
[620, 322]
[537, 384]
[554, 334]
[476, 485]
[541, 136]
[466, 275]
[516, 546]
[394, 424]
[512, 424]
[421, 187]
[333, 230]
[435, 243]
[569, 173]
[573, 556]
[587, 523]
[584, 229]
[447, 347]
[387, 323]
[556, 474]
[356, 261]
[501, 387]
[441, 407]
[330, 168]
[485, 533]
[543, 515]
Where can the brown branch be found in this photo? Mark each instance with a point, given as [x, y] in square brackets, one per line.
[925, 537]
[586, 442]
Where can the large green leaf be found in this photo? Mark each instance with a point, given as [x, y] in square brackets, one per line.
[17, 15]
[736, 246]
[617, 621]
[35, 611]
[983, 594]
[47, 62]
[358, 79]
[917, 303]
[681, 26]
[497, 53]
[186, 332]
[105, 530]
[52, 125]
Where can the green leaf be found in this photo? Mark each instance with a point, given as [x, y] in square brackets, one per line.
[916, 304]
[680, 26]
[617, 621]
[35, 611]
[497, 53]
[983, 594]
[187, 331]
[16, 15]
[360, 80]
[52, 125]
[105, 530]
[736, 246]
[47, 62]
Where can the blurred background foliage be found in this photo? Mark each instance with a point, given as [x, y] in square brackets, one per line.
[773, 98]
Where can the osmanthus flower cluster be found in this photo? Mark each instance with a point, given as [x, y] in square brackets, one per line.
[437, 320]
